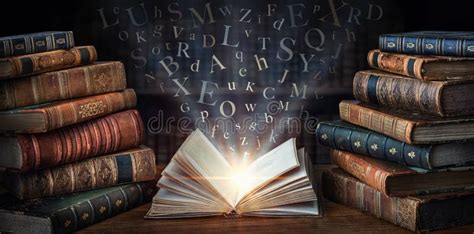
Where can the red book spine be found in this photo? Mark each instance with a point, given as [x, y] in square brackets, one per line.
[100, 136]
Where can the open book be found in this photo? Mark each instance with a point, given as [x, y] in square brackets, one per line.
[200, 181]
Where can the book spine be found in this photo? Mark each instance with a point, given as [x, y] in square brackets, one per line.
[102, 206]
[393, 127]
[405, 94]
[427, 45]
[50, 61]
[36, 43]
[112, 133]
[374, 145]
[361, 169]
[343, 189]
[62, 85]
[126, 167]
[397, 63]
[83, 109]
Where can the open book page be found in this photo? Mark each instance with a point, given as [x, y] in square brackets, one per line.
[202, 156]
[294, 187]
[177, 181]
[296, 178]
[199, 181]
[268, 167]
[183, 195]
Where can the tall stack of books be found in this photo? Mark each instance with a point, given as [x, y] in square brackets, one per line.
[404, 148]
[68, 125]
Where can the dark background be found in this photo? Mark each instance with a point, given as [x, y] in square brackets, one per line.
[23, 16]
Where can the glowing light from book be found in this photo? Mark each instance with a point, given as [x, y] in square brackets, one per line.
[240, 176]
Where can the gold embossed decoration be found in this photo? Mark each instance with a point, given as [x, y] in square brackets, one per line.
[374, 147]
[102, 209]
[118, 203]
[324, 136]
[67, 223]
[393, 151]
[84, 216]
[102, 82]
[92, 109]
[105, 175]
[45, 62]
[357, 144]
[68, 58]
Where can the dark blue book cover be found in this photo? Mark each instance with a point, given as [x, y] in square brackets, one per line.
[429, 43]
[66, 214]
[348, 137]
[35, 43]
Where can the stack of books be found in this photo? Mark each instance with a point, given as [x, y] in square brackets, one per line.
[71, 141]
[404, 148]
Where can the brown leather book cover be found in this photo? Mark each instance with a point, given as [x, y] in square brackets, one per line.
[415, 213]
[65, 84]
[128, 166]
[423, 67]
[397, 180]
[441, 98]
[408, 127]
[109, 134]
[47, 117]
[31, 64]
[371, 171]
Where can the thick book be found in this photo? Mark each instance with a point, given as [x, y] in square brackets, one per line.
[429, 43]
[35, 43]
[72, 212]
[32, 64]
[440, 98]
[411, 128]
[128, 166]
[415, 213]
[348, 137]
[201, 181]
[46, 117]
[423, 67]
[109, 134]
[98, 78]
[397, 180]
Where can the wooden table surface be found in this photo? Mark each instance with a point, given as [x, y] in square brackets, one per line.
[336, 219]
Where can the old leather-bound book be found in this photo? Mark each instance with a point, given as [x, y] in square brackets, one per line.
[35, 43]
[449, 43]
[441, 98]
[69, 213]
[411, 128]
[31, 64]
[65, 84]
[202, 181]
[133, 165]
[50, 116]
[423, 67]
[415, 213]
[348, 137]
[397, 180]
[109, 134]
